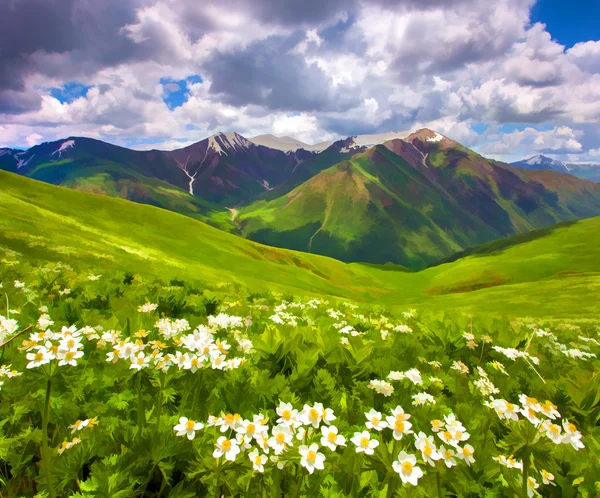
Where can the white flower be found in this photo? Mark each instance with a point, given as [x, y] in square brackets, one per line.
[19, 285]
[395, 375]
[364, 443]
[532, 485]
[460, 367]
[147, 308]
[414, 376]
[65, 292]
[374, 420]
[188, 428]
[547, 477]
[312, 415]
[300, 433]
[406, 467]
[572, 435]
[227, 447]
[466, 453]
[42, 356]
[258, 460]
[552, 431]
[423, 399]
[448, 456]
[68, 356]
[139, 361]
[504, 409]
[282, 437]
[381, 387]
[228, 421]
[509, 462]
[437, 425]
[250, 429]
[427, 447]
[79, 425]
[311, 458]
[331, 439]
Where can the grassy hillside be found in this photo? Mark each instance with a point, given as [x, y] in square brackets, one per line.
[554, 272]
[415, 204]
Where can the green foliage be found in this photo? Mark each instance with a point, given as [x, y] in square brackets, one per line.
[303, 352]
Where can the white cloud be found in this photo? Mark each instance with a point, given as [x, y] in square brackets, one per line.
[367, 67]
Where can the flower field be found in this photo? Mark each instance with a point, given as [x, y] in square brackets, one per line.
[117, 385]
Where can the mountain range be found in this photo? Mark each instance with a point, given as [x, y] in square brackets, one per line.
[407, 198]
[587, 171]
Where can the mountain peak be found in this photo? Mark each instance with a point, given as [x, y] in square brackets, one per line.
[224, 143]
[542, 162]
[427, 135]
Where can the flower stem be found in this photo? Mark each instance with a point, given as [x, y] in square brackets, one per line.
[45, 449]
[525, 471]
[140, 414]
[439, 485]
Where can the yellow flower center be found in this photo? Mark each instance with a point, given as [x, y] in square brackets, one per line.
[401, 416]
[38, 356]
[467, 452]
[554, 429]
[257, 460]
[226, 445]
[399, 426]
[189, 425]
[510, 407]
[428, 450]
[280, 438]
[286, 414]
[331, 437]
[250, 428]
[364, 442]
[69, 355]
[313, 414]
[375, 421]
[140, 360]
[70, 343]
[572, 428]
[407, 467]
[447, 454]
[459, 435]
[311, 456]
[228, 419]
[447, 436]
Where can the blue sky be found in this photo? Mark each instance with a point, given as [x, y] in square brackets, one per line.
[569, 21]
[509, 78]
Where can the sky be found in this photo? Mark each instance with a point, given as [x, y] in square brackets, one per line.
[509, 78]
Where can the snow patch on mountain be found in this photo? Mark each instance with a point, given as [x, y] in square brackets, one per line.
[225, 143]
[67, 144]
[4, 151]
[436, 137]
[22, 162]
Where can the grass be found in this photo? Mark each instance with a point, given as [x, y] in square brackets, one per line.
[553, 272]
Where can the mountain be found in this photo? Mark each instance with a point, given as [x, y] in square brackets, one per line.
[287, 144]
[542, 162]
[413, 202]
[587, 171]
[200, 180]
[526, 275]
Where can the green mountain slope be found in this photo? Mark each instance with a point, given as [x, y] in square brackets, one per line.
[414, 202]
[552, 272]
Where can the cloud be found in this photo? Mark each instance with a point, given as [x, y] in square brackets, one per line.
[315, 70]
[586, 55]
